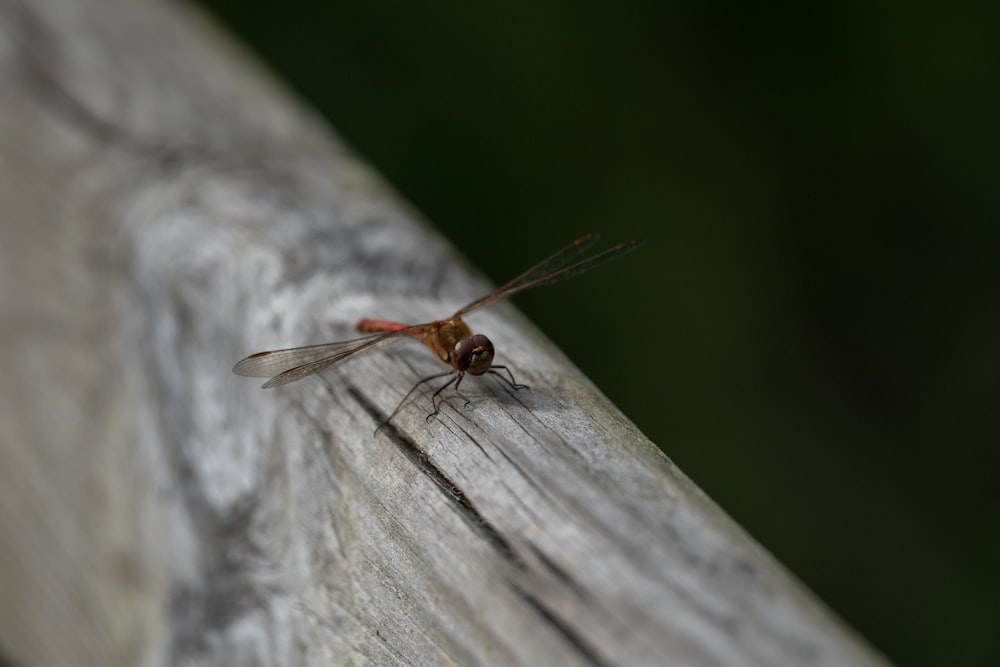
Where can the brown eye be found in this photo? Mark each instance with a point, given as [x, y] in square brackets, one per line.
[473, 355]
[462, 354]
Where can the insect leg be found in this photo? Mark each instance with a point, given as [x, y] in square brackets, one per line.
[512, 382]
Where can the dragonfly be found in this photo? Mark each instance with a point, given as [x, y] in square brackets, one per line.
[451, 340]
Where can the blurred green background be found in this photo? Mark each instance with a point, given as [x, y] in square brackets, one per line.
[813, 331]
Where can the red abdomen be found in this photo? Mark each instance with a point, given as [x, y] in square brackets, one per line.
[379, 326]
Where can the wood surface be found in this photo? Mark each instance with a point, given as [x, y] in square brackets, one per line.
[167, 209]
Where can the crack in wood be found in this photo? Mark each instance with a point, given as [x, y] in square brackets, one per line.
[419, 458]
[558, 572]
[451, 491]
[564, 629]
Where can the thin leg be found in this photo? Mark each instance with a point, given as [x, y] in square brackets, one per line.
[512, 382]
[457, 379]
[413, 389]
[467, 401]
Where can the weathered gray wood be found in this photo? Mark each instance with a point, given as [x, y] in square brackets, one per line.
[166, 210]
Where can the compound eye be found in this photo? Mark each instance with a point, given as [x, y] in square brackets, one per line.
[461, 356]
[473, 355]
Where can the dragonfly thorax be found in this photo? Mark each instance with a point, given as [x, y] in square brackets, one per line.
[452, 341]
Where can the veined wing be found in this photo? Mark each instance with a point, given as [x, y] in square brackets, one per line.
[284, 366]
[554, 269]
[554, 262]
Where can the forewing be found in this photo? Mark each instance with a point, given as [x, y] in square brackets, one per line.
[273, 362]
[545, 267]
[284, 366]
[547, 273]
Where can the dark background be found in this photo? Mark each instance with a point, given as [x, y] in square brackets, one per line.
[813, 331]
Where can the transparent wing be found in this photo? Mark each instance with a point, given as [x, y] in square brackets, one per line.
[284, 366]
[554, 269]
[273, 362]
[554, 262]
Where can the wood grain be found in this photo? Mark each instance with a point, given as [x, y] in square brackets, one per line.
[167, 209]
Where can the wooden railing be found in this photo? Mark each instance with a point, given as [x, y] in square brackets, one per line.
[168, 209]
